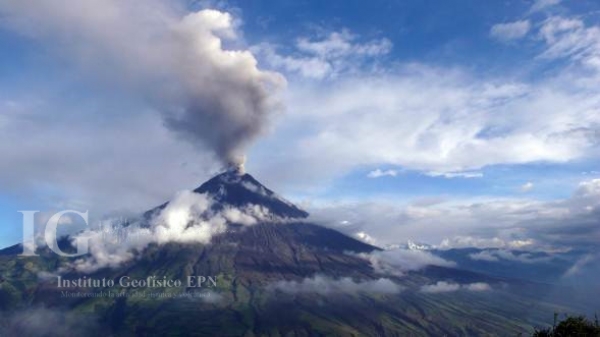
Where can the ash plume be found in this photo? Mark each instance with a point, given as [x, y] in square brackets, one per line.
[228, 98]
[155, 50]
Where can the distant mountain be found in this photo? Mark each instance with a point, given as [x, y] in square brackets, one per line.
[283, 276]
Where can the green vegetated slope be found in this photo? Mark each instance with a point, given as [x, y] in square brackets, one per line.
[247, 263]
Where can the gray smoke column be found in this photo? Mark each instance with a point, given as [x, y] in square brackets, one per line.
[228, 98]
[209, 95]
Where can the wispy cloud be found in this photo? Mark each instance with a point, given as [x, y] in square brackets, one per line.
[325, 285]
[364, 237]
[578, 266]
[445, 287]
[539, 5]
[325, 56]
[477, 286]
[507, 255]
[432, 120]
[460, 241]
[188, 218]
[52, 322]
[528, 186]
[450, 175]
[501, 223]
[378, 173]
[397, 261]
[510, 31]
[571, 38]
[449, 120]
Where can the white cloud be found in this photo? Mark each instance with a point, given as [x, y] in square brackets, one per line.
[570, 38]
[341, 44]
[456, 224]
[451, 175]
[482, 242]
[307, 66]
[430, 120]
[52, 322]
[588, 189]
[397, 261]
[325, 56]
[364, 237]
[152, 163]
[440, 287]
[478, 286]
[528, 186]
[325, 285]
[444, 287]
[443, 120]
[502, 254]
[484, 256]
[378, 173]
[469, 241]
[511, 224]
[543, 4]
[511, 30]
[188, 218]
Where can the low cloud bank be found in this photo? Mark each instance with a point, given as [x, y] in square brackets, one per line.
[398, 261]
[509, 224]
[497, 255]
[188, 218]
[47, 322]
[482, 243]
[445, 287]
[323, 285]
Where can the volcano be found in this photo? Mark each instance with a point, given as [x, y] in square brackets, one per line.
[235, 189]
[281, 276]
[238, 190]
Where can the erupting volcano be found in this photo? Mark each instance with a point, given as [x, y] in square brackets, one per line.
[275, 271]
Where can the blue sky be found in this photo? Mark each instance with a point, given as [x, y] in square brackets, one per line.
[391, 102]
[10, 217]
